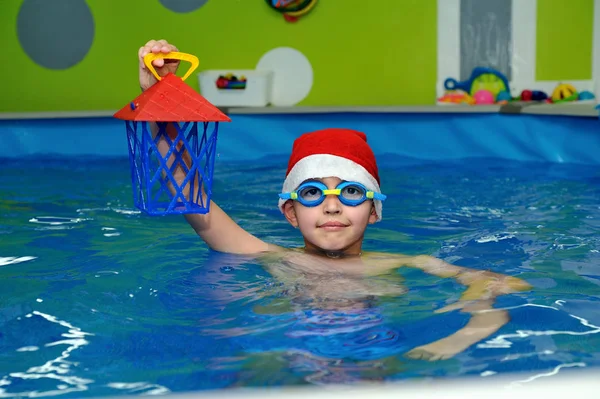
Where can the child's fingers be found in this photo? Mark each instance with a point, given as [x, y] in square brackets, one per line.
[150, 47]
[141, 54]
[160, 48]
[155, 46]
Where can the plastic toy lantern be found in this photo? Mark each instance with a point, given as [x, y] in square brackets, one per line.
[175, 113]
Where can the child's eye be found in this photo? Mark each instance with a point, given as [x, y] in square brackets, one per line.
[310, 193]
[352, 192]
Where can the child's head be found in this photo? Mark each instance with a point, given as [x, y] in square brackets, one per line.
[332, 159]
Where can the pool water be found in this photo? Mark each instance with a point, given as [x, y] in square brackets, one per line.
[98, 299]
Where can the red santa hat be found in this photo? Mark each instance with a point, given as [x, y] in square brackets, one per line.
[342, 153]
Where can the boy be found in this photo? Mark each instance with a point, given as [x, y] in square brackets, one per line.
[331, 193]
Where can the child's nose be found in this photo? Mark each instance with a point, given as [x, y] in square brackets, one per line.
[332, 204]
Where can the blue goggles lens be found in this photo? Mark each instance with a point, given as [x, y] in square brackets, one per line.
[349, 193]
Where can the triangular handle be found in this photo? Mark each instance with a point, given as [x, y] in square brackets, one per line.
[174, 55]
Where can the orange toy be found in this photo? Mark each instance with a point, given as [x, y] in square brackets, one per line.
[456, 97]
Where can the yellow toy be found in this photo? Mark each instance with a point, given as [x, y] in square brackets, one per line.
[564, 92]
[456, 97]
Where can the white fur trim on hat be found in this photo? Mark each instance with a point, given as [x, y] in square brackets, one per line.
[319, 166]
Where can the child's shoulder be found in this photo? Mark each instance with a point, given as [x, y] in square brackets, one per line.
[369, 263]
[385, 261]
[373, 255]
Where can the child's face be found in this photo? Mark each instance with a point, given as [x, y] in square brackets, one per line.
[331, 225]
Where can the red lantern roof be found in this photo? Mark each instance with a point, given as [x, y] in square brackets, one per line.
[171, 100]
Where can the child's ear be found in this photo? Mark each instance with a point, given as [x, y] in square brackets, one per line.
[290, 213]
[373, 215]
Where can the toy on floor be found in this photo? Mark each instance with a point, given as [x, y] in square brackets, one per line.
[182, 117]
[533, 95]
[564, 92]
[481, 79]
[484, 97]
[503, 98]
[456, 97]
[586, 95]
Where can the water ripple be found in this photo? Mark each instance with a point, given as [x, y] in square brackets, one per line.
[59, 370]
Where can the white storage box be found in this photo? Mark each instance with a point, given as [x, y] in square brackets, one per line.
[256, 93]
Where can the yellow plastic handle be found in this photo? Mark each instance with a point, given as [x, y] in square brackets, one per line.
[173, 56]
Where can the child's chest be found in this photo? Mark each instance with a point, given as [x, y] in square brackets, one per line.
[332, 280]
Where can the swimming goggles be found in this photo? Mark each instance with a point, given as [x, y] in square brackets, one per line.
[349, 193]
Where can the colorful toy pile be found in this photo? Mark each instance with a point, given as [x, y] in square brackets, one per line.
[488, 86]
[564, 92]
[231, 82]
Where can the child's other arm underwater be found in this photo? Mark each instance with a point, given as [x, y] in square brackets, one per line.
[481, 284]
[478, 299]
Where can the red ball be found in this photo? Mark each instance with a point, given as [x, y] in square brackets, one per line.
[526, 95]
[221, 83]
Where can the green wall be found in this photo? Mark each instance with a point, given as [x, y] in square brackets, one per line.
[362, 53]
[564, 39]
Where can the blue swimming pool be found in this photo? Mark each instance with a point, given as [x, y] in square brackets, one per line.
[98, 299]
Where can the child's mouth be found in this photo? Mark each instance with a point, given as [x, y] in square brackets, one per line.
[332, 226]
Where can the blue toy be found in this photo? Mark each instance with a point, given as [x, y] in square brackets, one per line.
[482, 78]
[503, 96]
[586, 95]
[182, 118]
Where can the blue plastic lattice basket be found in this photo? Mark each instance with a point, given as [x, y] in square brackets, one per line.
[170, 166]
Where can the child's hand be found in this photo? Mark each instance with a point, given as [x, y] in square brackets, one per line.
[482, 292]
[162, 66]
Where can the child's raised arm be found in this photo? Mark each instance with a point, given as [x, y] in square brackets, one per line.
[216, 228]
